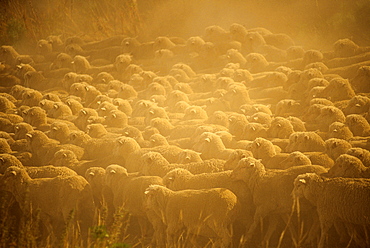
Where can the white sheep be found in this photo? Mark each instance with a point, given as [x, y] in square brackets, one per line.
[128, 193]
[57, 198]
[208, 212]
[211, 146]
[336, 199]
[271, 189]
[180, 179]
[349, 166]
[155, 164]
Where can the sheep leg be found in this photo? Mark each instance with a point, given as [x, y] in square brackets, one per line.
[172, 233]
[144, 226]
[159, 229]
[224, 235]
[258, 217]
[325, 226]
[272, 224]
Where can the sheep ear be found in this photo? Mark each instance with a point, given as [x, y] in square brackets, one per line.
[112, 172]
[2, 160]
[92, 173]
[207, 139]
[302, 180]
[171, 179]
[13, 173]
[29, 135]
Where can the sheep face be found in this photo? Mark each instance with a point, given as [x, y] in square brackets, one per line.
[63, 158]
[295, 159]
[153, 163]
[35, 116]
[246, 168]
[175, 176]
[8, 160]
[59, 131]
[235, 157]
[113, 174]
[14, 176]
[123, 146]
[116, 118]
[302, 186]
[347, 166]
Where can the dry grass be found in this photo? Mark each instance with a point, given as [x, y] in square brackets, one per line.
[24, 22]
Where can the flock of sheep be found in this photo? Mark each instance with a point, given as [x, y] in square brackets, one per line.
[236, 138]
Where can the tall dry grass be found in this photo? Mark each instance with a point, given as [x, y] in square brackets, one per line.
[24, 22]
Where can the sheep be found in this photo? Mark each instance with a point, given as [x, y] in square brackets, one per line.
[98, 131]
[345, 48]
[280, 128]
[129, 150]
[237, 95]
[6, 125]
[357, 105]
[358, 125]
[279, 184]
[83, 116]
[298, 124]
[74, 105]
[360, 82]
[43, 148]
[336, 199]
[234, 158]
[55, 197]
[211, 146]
[337, 90]
[49, 171]
[339, 130]
[237, 123]
[188, 156]
[250, 109]
[82, 65]
[268, 152]
[328, 115]
[254, 130]
[362, 154]
[154, 164]
[335, 147]
[216, 217]
[260, 117]
[219, 118]
[348, 166]
[8, 160]
[59, 131]
[154, 112]
[256, 62]
[288, 107]
[128, 193]
[116, 119]
[295, 159]
[36, 117]
[6, 104]
[181, 179]
[31, 97]
[305, 142]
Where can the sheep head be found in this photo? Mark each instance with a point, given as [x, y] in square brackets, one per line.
[247, 169]
[303, 186]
